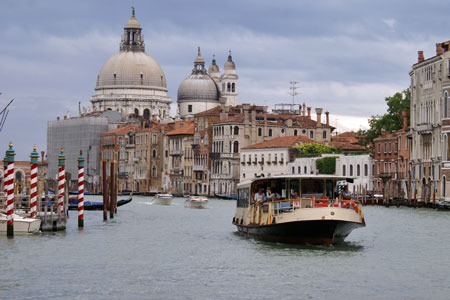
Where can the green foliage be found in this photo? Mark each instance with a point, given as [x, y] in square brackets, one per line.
[313, 149]
[326, 165]
[392, 120]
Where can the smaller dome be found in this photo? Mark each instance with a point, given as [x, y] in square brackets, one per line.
[198, 87]
[213, 68]
[229, 64]
[133, 23]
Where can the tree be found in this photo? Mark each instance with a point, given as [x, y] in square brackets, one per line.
[393, 119]
[313, 149]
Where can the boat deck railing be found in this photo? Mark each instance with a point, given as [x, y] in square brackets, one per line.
[289, 205]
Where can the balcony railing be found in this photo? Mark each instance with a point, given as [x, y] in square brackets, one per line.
[195, 146]
[199, 168]
[175, 152]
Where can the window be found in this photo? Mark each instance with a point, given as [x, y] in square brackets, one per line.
[351, 170]
[282, 131]
[366, 170]
[270, 132]
[446, 104]
[390, 148]
[166, 154]
[324, 135]
[295, 132]
[206, 140]
[190, 108]
[259, 131]
[299, 170]
[233, 87]
[306, 170]
[343, 170]
[358, 170]
[236, 130]
[385, 148]
[379, 168]
[293, 170]
[236, 147]
[311, 134]
[379, 146]
[154, 171]
[201, 125]
[154, 153]
[399, 143]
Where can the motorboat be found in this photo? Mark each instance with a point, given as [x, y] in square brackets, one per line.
[307, 211]
[22, 224]
[163, 199]
[196, 201]
[443, 204]
[94, 205]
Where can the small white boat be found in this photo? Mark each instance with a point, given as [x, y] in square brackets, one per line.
[164, 199]
[196, 201]
[21, 224]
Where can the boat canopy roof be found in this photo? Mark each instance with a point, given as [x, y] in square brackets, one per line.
[299, 176]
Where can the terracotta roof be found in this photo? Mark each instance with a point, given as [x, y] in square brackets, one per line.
[186, 129]
[345, 146]
[213, 111]
[233, 119]
[281, 142]
[122, 130]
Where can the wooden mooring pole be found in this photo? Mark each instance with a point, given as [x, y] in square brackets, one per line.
[105, 192]
[112, 189]
[10, 194]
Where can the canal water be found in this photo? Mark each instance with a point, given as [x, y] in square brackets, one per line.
[173, 252]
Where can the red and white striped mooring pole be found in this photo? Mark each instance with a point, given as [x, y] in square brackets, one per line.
[10, 191]
[33, 184]
[81, 190]
[61, 181]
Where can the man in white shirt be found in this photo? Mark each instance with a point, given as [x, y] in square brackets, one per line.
[259, 196]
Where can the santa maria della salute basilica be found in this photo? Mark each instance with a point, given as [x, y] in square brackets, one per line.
[132, 82]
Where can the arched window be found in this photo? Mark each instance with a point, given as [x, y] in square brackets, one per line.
[228, 87]
[154, 153]
[295, 131]
[236, 130]
[445, 104]
[351, 170]
[236, 147]
[153, 171]
[324, 134]
[259, 131]
[445, 148]
[146, 114]
[366, 170]
[443, 186]
[306, 170]
[293, 170]
[232, 87]
[358, 170]
[343, 170]
[299, 170]
[136, 111]
[270, 132]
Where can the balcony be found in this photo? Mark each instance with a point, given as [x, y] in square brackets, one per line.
[424, 128]
[199, 168]
[176, 172]
[175, 152]
[195, 147]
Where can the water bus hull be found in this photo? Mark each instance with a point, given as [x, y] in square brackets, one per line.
[163, 199]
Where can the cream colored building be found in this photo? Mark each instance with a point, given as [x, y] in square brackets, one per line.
[430, 86]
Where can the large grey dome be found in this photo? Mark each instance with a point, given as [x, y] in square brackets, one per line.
[131, 69]
[198, 87]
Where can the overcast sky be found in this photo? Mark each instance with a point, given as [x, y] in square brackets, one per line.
[346, 55]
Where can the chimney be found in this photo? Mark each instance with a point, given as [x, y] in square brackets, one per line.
[309, 112]
[328, 117]
[405, 118]
[304, 109]
[438, 49]
[319, 116]
[421, 59]
[57, 118]
[42, 156]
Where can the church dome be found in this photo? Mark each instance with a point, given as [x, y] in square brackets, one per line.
[198, 87]
[131, 69]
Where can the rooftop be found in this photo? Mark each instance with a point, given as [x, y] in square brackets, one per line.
[281, 142]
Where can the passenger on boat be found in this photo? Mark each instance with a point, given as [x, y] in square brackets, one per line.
[259, 196]
[274, 196]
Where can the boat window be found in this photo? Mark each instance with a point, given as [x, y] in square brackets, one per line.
[276, 186]
[329, 189]
[294, 187]
[243, 197]
[312, 188]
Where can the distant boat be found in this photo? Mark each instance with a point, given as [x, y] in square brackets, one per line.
[227, 197]
[94, 205]
[21, 224]
[443, 204]
[164, 199]
[196, 201]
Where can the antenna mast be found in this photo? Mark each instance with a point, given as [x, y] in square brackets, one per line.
[293, 91]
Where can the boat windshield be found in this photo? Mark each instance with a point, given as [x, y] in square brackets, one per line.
[292, 188]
